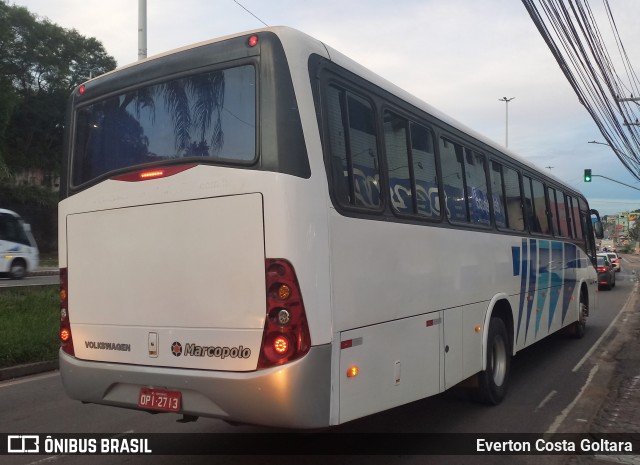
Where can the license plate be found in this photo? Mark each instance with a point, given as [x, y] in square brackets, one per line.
[159, 399]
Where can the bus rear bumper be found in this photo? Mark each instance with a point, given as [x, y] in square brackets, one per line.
[296, 395]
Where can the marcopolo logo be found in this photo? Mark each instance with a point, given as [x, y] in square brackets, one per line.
[194, 350]
[176, 349]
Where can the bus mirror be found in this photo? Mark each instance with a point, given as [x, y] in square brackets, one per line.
[597, 226]
[27, 227]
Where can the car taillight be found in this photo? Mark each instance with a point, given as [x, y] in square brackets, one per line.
[66, 341]
[601, 269]
[286, 331]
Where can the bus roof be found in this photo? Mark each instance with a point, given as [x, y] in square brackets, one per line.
[299, 42]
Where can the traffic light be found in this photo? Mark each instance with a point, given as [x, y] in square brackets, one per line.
[587, 175]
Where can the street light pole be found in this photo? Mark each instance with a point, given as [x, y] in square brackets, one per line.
[506, 131]
[142, 29]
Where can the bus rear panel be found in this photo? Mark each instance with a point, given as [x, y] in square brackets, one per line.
[179, 271]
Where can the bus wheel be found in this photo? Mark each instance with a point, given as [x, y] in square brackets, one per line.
[580, 326]
[18, 269]
[493, 382]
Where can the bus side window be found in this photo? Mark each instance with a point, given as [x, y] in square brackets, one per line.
[11, 230]
[540, 206]
[477, 195]
[424, 171]
[515, 215]
[562, 214]
[555, 225]
[399, 173]
[353, 143]
[453, 180]
[497, 193]
[338, 146]
[575, 213]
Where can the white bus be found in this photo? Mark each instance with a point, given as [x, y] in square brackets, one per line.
[18, 249]
[258, 229]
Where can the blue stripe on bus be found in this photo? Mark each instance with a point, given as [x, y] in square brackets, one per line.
[515, 260]
[533, 263]
[523, 282]
[543, 280]
[557, 276]
[569, 266]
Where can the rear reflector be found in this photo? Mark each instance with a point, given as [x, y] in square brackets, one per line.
[66, 339]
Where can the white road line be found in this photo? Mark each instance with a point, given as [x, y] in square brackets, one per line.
[53, 458]
[560, 418]
[550, 396]
[28, 379]
[606, 331]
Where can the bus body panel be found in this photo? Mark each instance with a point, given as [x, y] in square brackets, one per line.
[202, 288]
[379, 284]
[296, 395]
[392, 372]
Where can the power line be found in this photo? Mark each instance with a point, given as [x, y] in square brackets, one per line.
[248, 11]
[572, 34]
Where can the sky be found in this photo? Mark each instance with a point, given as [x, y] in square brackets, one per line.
[460, 56]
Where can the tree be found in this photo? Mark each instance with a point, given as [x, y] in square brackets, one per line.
[40, 63]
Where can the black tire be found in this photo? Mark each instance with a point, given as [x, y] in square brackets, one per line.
[18, 269]
[494, 381]
[579, 327]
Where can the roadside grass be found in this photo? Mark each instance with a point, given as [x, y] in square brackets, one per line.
[49, 260]
[29, 324]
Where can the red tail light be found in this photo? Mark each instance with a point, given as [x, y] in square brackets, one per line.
[286, 331]
[155, 173]
[601, 269]
[66, 341]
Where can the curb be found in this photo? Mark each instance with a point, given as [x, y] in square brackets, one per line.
[45, 272]
[28, 369]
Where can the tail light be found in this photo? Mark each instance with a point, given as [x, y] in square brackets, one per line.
[286, 331]
[66, 341]
[601, 269]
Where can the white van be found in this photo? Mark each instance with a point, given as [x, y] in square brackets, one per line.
[18, 250]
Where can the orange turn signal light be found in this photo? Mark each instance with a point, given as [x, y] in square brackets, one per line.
[65, 335]
[353, 371]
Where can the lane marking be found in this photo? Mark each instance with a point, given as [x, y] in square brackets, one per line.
[550, 396]
[606, 331]
[28, 379]
[53, 458]
[560, 418]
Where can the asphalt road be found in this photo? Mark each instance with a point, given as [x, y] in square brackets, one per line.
[30, 281]
[546, 378]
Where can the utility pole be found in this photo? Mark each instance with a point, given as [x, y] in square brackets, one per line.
[142, 29]
[506, 136]
[630, 99]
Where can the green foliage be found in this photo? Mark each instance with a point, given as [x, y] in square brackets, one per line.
[30, 322]
[28, 195]
[40, 63]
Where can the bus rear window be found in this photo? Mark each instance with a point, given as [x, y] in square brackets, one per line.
[210, 115]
